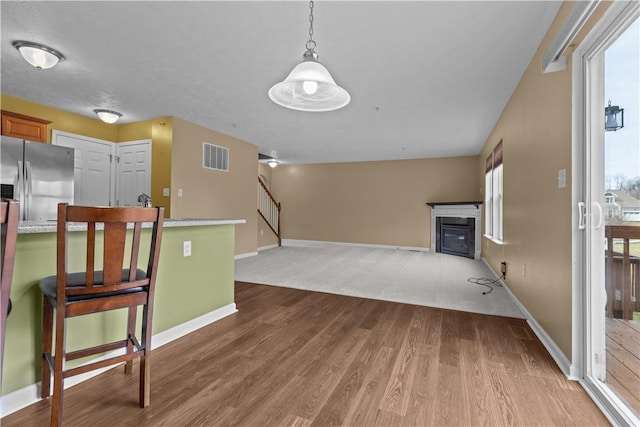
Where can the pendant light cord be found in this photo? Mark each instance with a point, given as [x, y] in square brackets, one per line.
[311, 44]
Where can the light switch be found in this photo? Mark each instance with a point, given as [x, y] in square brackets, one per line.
[562, 178]
[179, 192]
[186, 248]
[165, 192]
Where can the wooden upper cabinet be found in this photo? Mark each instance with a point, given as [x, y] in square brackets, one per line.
[24, 127]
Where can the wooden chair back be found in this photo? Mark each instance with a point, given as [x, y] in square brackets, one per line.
[9, 218]
[107, 276]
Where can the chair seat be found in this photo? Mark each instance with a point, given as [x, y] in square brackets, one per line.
[48, 285]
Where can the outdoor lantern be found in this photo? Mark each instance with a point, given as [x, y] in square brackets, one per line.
[613, 118]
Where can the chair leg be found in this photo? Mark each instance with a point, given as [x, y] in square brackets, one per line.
[58, 380]
[131, 331]
[145, 360]
[145, 381]
[47, 338]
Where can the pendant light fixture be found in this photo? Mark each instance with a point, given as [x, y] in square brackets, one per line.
[38, 55]
[107, 116]
[309, 86]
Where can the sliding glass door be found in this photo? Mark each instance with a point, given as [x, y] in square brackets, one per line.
[608, 211]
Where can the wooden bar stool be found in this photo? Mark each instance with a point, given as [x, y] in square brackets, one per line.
[112, 284]
[9, 218]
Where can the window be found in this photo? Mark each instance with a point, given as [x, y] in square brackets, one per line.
[609, 198]
[493, 205]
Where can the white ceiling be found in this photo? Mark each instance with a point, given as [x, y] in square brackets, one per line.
[427, 79]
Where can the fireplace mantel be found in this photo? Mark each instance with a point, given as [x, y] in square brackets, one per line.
[469, 209]
[475, 203]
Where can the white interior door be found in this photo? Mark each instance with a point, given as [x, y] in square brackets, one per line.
[94, 171]
[133, 171]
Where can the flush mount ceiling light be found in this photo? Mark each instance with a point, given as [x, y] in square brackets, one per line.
[38, 55]
[273, 163]
[309, 86]
[613, 118]
[108, 116]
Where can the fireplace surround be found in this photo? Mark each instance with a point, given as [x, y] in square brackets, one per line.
[461, 223]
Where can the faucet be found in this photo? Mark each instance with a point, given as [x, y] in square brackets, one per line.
[145, 200]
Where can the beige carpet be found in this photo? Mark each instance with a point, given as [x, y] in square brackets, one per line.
[421, 278]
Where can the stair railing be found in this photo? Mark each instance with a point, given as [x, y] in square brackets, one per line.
[269, 209]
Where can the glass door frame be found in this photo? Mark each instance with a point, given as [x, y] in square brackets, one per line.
[588, 341]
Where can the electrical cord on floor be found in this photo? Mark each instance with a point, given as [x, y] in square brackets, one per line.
[483, 281]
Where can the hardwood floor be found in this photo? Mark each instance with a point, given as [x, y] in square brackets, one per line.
[300, 358]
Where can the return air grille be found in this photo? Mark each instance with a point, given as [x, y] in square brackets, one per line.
[215, 157]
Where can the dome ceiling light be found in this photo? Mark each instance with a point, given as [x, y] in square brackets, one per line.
[108, 116]
[38, 55]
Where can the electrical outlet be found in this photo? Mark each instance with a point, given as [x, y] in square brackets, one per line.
[503, 269]
[262, 232]
[179, 192]
[186, 248]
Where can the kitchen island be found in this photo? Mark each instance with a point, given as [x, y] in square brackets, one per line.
[191, 291]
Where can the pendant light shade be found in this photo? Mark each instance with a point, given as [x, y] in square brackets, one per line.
[38, 55]
[107, 116]
[309, 86]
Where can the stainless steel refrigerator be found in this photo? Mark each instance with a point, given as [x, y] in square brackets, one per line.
[38, 175]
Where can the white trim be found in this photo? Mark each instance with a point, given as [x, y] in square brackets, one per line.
[297, 242]
[14, 401]
[264, 248]
[552, 60]
[496, 241]
[555, 352]
[245, 255]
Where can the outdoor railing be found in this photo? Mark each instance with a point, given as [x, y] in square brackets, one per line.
[622, 270]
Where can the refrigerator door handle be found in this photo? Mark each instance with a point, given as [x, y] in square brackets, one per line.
[20, 193]
[27, 188]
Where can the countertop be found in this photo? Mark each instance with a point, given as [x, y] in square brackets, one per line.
[29, 227]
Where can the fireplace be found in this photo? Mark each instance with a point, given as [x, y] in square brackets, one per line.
[456, 236]
[456, 228]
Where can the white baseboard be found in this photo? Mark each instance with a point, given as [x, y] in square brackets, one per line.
[297, 242]
[30, 394]
[264, 248]
[558, 356]
[245, 255]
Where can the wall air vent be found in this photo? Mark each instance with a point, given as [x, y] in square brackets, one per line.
[215, 157]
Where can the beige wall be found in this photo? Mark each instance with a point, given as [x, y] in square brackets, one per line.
[370, 202]
[535, 127]
[210, 193]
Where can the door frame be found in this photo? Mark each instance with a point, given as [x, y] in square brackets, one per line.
[588, 131]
